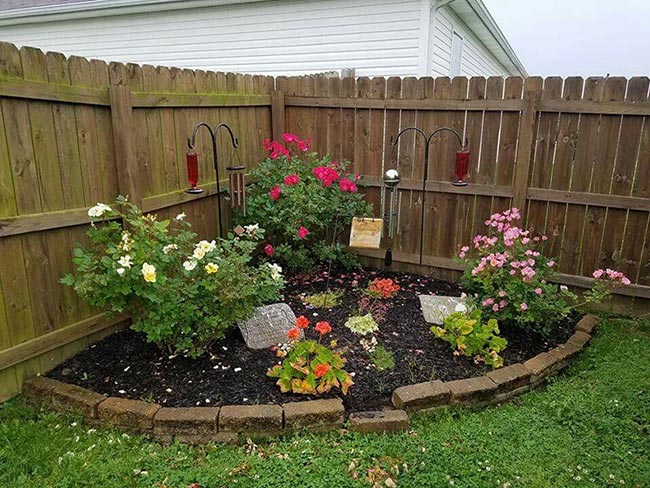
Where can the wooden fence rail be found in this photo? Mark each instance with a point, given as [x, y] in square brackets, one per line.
[574, 154]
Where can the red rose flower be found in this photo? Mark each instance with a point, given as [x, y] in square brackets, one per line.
[302, 322]
[293, 334]
[275, 192]
[292, 179]
[303, 232]
[289, 138]
[321, 370]
[269, 251]
[323, 328]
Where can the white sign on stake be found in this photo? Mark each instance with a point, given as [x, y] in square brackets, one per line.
[366, 233]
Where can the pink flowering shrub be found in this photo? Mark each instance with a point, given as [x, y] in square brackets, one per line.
[510, 279]
[301, 198]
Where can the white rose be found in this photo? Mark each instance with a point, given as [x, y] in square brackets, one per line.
[149, 272]
[198, 253]
[189, 265]
[207, 246]
[276, 271]
[181, 216]
[460, 307]
[98, 210]
[120, 271]
[251, 230]
[125, 261]
[169, 247]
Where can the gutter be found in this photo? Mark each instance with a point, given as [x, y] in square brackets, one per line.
[478, 7]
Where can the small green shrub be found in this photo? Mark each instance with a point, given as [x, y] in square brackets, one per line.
[182, 294]
[382, 358]
[362, 324]
[470, 336]
[302, 199]
[326, 299]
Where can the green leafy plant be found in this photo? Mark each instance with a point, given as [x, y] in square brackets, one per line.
[181, 293]
[362, 324]
[470, 336]
[382, 358]
[309, 367]
[305, 203]
[326, 299]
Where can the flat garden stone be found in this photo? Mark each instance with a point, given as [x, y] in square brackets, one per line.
[186, 421]
[130, 414]
[74, 399]
[472, 390]
[38, 390]
[420, 396]
[315, 415]
[587, 324]
[379, 421]
[253, 420]
[268, 326]
[436, 308]
[510, 377]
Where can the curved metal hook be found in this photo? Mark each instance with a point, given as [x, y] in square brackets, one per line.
[417, 129]
[192, 141]
[453, 131]
[233, 139]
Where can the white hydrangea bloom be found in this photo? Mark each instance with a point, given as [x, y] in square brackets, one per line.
[98, 210]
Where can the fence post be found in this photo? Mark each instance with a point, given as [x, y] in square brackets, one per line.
[524, 150]
[278, 114]
[128, 173]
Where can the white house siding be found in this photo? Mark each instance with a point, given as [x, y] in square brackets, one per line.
[376, 37]
[476, 59]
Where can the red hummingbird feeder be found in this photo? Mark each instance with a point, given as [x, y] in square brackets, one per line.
[192, 161]
[461, 169]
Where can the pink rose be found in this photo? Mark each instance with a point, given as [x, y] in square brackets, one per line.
[538, 291]
[502, 293]
[292, 179]
[524, 306]
[268, 250]
[303, 232]
[495, 307]
[598, 273]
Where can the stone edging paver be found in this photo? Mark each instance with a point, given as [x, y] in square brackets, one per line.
[200, 425]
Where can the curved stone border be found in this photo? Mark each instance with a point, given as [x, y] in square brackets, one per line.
[200, 425]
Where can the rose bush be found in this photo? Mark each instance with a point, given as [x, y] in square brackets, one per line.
[302, 199]
[510, 279]
[182, 294]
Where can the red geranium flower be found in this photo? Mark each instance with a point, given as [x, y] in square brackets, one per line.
[269, 251]
[275, 192]
[293, 334]
[323, 328]
[289, 138]
[302, 322]
[303, 232]
[321, 370]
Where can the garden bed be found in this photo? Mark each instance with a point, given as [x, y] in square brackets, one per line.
[124, 365]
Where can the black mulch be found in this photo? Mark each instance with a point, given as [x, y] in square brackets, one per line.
[124, 365]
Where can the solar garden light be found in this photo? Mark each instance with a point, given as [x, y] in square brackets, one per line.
[461, 167]
[193, 166]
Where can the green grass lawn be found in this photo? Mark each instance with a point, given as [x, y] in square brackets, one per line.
[590, 427]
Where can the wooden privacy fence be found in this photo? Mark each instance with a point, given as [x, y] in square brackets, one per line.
[574, 154]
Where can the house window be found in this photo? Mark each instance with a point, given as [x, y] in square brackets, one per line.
[456, 54]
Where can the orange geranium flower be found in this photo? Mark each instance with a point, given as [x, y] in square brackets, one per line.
[302, 322]
[323, 328]
[321, 370]
[293, 334]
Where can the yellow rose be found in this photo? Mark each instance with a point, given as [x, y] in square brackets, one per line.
[149, 272]
[211, 268]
